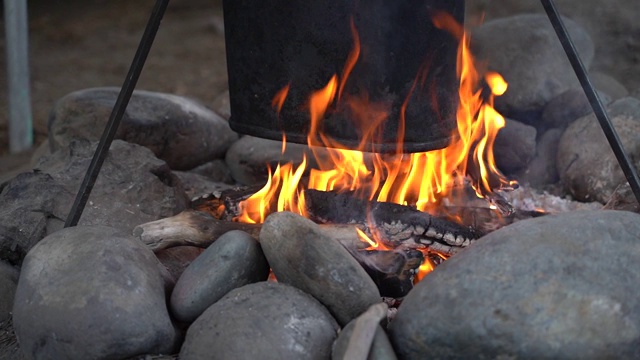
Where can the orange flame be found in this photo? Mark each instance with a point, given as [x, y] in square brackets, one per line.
[281, 96]
[419, 179]
[373, 244]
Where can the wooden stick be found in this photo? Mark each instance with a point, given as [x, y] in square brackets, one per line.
[190, 227]
[364, 332]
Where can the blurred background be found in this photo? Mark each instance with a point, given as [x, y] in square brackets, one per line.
[76, 44]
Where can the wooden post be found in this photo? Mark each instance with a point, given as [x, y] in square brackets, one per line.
[19, 98]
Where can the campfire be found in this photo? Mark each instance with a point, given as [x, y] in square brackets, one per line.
[389, 236]
[359, 185]
[398, 203]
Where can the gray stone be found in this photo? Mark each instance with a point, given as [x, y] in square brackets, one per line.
[542, 169]
[381, 348]
[8, 282]
[623, 199]
[91, 292]
[248, 158]
[555, 287]
[176, 259]
[133, 188]
[515, 146]
[196, 185]
[232, 261]
[587, 166]
[222, 105]
[41, 151]
[613, 26]
[9, 347]
[262, 321]
[178, 130]
[300, 254]
[525, 50]
[216, 170]
[568, 107]
[608, 85]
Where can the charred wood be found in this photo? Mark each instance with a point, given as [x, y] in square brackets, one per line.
[397, 225]
[392, 271]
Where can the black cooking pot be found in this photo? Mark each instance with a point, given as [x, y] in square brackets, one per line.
[272, 43]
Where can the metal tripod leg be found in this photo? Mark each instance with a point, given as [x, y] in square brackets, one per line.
[118, 111]
[598, 109]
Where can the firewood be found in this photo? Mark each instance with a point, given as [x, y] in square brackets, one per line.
[395, 224]
[190, 227]
[201, 229]
[365, 329]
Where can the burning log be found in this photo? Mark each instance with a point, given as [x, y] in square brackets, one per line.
[396, 225]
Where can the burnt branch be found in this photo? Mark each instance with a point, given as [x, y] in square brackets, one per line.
[190, 227]
[398, 225]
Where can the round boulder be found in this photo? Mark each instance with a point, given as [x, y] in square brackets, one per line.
[515, 146]
[381, 348]
[608, 85]
[525, 50]
[264, 320]
[552, 287]
[178, 130]
[222, 105]
[248, 158]
[586, 164]
[234, 260]
[300, 254]
[568, 107]
[8, 283]
[91, 292]
[542, 169]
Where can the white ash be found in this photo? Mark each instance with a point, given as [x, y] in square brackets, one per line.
[528, 199]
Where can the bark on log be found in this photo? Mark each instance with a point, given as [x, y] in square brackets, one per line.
[190, 227]
[397, 225]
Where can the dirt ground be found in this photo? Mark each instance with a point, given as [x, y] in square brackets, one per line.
[76, 44]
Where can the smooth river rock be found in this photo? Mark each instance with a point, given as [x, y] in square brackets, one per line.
[248, 158]
[91, 292]
[542, 169]
[133, 187]
[586, 164]
[8, 283]
[555, 287]
[300, 254]
[177, 129]
[525, 50]
[568, 107]
[265, 321]
[381, 348]
[515, 146]
[232, 261]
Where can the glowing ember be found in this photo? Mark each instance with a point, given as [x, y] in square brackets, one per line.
[419, 179]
